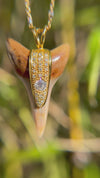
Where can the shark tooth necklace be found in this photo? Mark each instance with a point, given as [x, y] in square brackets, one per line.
[39, 59]
[35, 70]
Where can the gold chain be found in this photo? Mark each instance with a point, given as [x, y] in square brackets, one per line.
[39, 31]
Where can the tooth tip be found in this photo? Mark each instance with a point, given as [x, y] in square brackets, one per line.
[40, 125]
[40, 130]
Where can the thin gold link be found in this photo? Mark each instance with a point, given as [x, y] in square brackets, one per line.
[37, 31]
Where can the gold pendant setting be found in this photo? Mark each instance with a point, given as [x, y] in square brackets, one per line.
[39, 70]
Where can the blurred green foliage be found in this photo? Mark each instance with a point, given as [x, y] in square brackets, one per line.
[93, 68]
[22, 154]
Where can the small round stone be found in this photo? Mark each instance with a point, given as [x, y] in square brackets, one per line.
[46, 64]
[46, 69]
[35, 54]
[46, 75]
[46, 59]
[34, 59]
[46, 54]
[39, 58]
[41, 96]
[36, 98]
[34, 76]
[40, 69]
[44, 92]
[42, 102]
[41, 54]
[34, 70]
[33, 64]
[40, 75]
[40, 64]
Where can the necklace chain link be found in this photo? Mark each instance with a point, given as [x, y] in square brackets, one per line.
[39, 31]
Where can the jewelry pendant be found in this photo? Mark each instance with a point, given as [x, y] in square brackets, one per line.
[20, 60]
[40, 70]
[35, 70]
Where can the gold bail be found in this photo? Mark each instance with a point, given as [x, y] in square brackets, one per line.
[40, 35]
[39, 70]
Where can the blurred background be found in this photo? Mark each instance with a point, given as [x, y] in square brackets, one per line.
[74, 112]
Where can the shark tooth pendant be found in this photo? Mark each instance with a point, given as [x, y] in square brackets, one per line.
[20, 57]
[40, 68]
